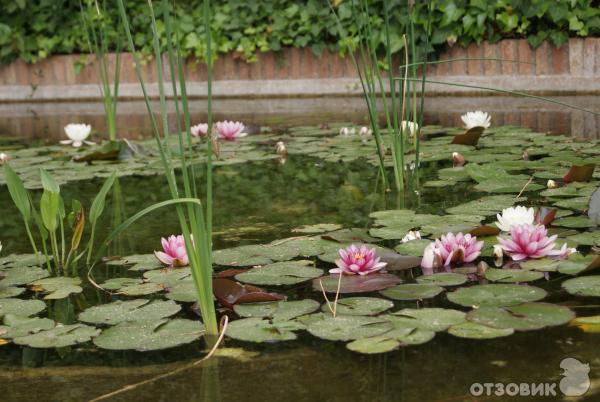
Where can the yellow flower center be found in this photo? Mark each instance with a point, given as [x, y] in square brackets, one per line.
[359, 256]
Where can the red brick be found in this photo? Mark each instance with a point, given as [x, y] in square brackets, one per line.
[560, 59]
[508, 50]
[475, 67]
[323, 64]
[542, 59]
[525, 53]
[529, 120]
[512, 119]
[490, 51]
[242, 70]
[589, 56]
[458, 67]
[562, 122]
[443, 68]
[337, 65]
[219, 69]
[282, 64]
[576, 56]
[310, 64]
[268, 66]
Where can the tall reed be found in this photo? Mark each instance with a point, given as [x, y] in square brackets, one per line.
[195, 217]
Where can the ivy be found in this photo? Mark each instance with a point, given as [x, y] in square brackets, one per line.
[35, 29]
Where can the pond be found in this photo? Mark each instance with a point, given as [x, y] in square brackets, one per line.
[260, 199]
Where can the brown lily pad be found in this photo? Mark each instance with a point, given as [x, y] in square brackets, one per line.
[485, 230]
[470, 137]
[355, 283]
[545, 216]
[580, 173]
[230, 293]
[398, 262]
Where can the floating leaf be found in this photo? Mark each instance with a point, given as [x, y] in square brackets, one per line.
[22, 275]
[59, 336]
[360, 306]
[10, 291]
[372, 345]
[431, 319]
[117, 283]
[512, 275]
[412, 291]
[407, 333]
[149, 334]
[470, 137]
[318, 228]
[577, 222]
[355, 283]
[352, 235]
[58, 287]
[413, 247]
[278, 311]
[229, 292]
[17, 326]
[281, 273]
[473, 330]
[443, 279]
[524, 317]
[397, 262]
[141, 289]
[578, 263]
[349, 327]
[580, 173]
[20, 307]
[495, 295]
[542, 265]
[259, 330]
[583, 286]
[132, 310]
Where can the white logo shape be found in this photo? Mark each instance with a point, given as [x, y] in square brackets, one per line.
[576, 379]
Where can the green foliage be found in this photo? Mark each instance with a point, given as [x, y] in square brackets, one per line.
[33, 30]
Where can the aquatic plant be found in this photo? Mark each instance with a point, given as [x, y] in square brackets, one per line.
[174, 253]
[529, 241]
[476, 119]
[230, 130]
[411, 235]
[345, 131]
[199, 130]
[512, 216]
[451, 249]
[358, 260]
[365, 131]
[77, 133]
[4, 157]
[410, 127]
[280, 148]
[98, 32]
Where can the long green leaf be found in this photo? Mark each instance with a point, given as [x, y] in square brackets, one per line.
[100, 200]
[49, 209]
[18, 192]
[48, 182]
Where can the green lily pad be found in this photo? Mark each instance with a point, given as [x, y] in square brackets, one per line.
[117, 283]
[258, 330]
[524, 317]
[278, 311]
[413, 247]
[577, 222]
[577, 263]
[131, 310]
[495, 295]
[281, 273]
[431, 319]
[59, 337]
[149, 334]
[443, 279]
[138, 262]
[16, 326]
[58, 287]
[20, 307]
[582, 286]
[184, 292]
[586, 238]
[349, 327]
[241, 256]
[489, 205]
[10, 291]
[541, 265]
[141, 289]
[355, 283]
[360, 306]
[473, 330]
[412, 291]
[407, 333]
[22, 275]
[352, 235]
[512, 275]
[318, 228]
[373, 345]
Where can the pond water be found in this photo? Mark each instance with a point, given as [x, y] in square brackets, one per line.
[258, 202]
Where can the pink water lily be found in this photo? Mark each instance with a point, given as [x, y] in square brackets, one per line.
[452, 249]
[199, 130]
[174, 253]
[230, 130]
[529, 241]
[357, 260]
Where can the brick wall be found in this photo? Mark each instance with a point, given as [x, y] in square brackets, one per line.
[579, 57]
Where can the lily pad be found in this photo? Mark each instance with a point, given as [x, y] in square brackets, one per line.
[495, 295]
[512, 275]
[10, 291]
[141, 289]
[524, 317]
[443, 279]
[20, 307]
[413, 247]
[22, 275]
[473, 330]
[412, 291]
[59, 337]
[278, 311]
[431, 319]
[117, 283]
[578, 263]
[58, 287]
[259, 330]
[16, 326]
[360, 306]
[355, 283]
[407, 333]
[132, 310]
[149, 334]
[541, 265]
[318, 228]
[582, 286]
[349, 327]
[373, 345]
[281, 273]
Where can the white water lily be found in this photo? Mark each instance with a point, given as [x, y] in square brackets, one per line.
[77, 134]
[365, 131]
[347, 131]
[411, 127]
[551, 184]
[280, 148]
[513, 216]
[476, 119]
[4, 157]
[412, 235]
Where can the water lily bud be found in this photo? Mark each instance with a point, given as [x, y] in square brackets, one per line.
[458, 159]
[451, 40]
[525, 155]
[365, 131]
[481, 268]
[281, 149]
[324, 126]
[551, 184]
[412, 235]
[4, 157]
[499, 254]
[347, 131]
